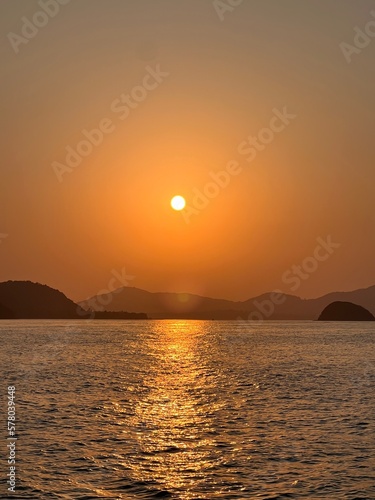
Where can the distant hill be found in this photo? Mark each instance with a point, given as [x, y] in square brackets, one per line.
[161, 304]
[190, 306]
[27, 300]
[345, 311]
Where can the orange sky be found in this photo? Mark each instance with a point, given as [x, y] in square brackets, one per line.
[212, 84]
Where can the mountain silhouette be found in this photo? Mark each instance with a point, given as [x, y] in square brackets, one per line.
[27, 300]
[33, 300]
[189, 306]
[345, 311]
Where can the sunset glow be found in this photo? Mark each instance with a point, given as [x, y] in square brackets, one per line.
[178, 203]
[187, 286]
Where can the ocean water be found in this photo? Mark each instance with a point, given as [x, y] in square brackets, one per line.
[190, 409]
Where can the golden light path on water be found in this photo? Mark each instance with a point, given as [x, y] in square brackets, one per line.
[173, 424]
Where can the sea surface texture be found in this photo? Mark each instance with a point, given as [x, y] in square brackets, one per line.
[190, 409]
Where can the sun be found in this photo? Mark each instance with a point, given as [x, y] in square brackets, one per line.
[178, 202]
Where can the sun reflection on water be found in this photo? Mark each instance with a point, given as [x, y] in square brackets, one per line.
[172, 422]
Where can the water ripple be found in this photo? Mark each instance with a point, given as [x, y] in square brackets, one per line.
[192, 410]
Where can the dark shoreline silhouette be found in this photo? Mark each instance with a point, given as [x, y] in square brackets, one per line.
[27, 300]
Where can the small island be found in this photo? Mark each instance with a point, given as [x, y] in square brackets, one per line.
[345, 311]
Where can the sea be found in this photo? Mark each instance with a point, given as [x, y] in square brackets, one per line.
[176, 409]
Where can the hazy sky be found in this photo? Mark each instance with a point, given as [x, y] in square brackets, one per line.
[201, 79]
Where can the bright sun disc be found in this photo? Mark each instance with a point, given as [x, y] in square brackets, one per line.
[178, 203]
